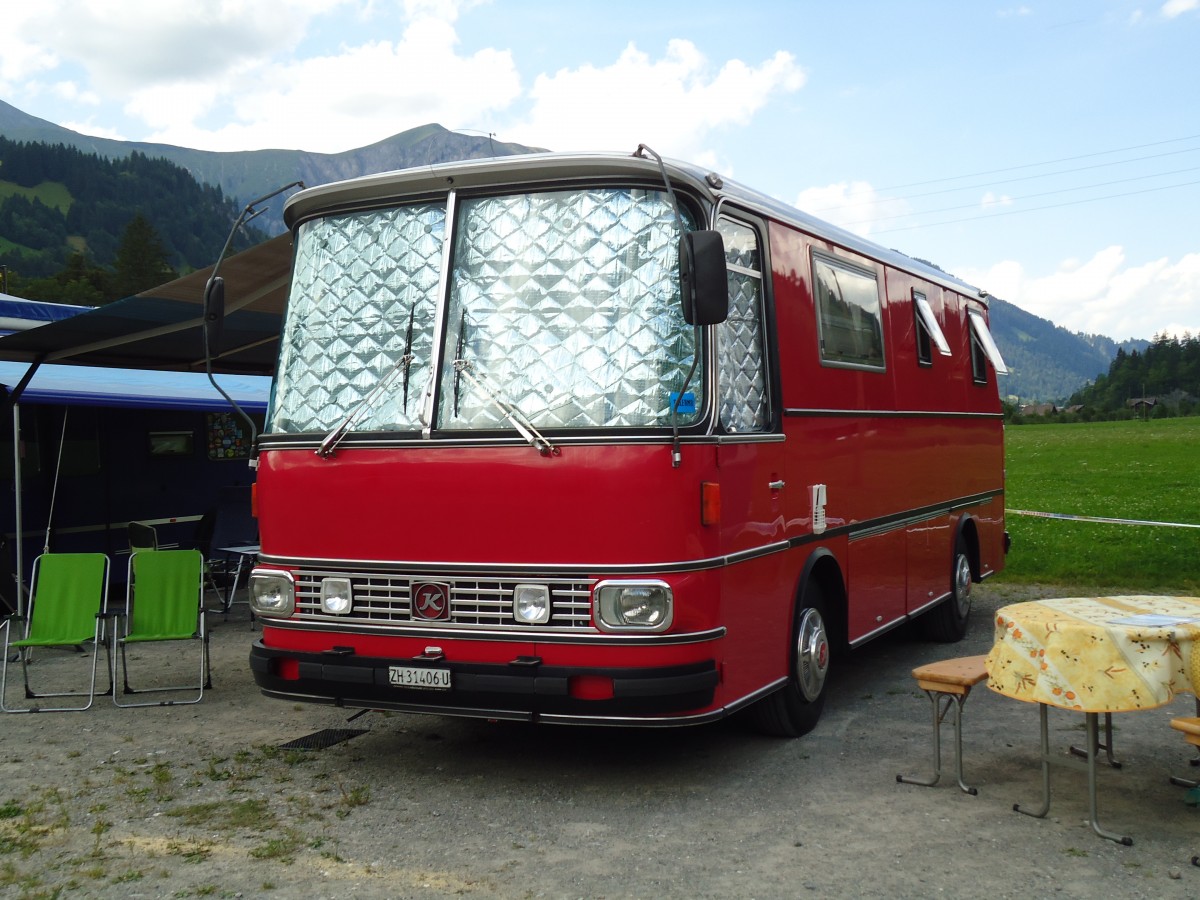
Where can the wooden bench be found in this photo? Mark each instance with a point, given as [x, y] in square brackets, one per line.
[1190, 726]
[947, 684]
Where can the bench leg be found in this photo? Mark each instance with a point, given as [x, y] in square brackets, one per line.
[939, 709]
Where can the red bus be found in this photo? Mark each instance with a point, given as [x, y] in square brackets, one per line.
[606, 439]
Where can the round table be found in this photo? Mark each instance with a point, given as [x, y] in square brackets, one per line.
[1095, 655]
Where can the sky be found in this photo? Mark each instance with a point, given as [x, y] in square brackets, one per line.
[1047, 151]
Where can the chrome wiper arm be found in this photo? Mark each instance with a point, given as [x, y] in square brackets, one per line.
[339, 431]
[523, 426]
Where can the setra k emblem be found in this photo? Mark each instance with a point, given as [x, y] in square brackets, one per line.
[430, 600]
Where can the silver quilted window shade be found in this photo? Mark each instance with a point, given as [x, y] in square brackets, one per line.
[363, 296]
[565, 306]
[742, 383]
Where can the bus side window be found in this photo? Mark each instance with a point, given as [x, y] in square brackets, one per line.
[741, 357]
[849, 314]
[983, 348]
[928, 331]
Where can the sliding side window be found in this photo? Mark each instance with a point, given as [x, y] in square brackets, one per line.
[849, 314]
[929, 332]
[740, 356]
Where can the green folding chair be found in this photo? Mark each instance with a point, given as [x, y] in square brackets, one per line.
[163, 602]
[66, 609]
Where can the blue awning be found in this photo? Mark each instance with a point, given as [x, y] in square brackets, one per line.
[138, 388]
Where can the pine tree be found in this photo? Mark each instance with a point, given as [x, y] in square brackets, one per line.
[141, 261]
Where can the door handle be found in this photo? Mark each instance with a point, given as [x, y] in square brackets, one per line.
[776, 485]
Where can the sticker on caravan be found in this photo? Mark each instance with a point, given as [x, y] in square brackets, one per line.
[687, 405]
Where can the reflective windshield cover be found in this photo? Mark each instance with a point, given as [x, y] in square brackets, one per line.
[562, 311]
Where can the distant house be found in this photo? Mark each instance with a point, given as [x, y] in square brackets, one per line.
[1139, 404]
[1039, 409]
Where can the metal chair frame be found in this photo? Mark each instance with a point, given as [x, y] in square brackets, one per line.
[59, 616]
[169, 586]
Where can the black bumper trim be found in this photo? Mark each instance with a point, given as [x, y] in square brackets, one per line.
[518, 689]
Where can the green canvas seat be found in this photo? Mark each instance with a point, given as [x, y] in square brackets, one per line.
[164, 602]
[66, 609]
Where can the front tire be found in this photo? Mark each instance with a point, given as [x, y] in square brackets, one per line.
[794, 709]
[947, 622]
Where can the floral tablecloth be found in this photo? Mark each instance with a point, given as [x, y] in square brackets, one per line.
[1097, 654]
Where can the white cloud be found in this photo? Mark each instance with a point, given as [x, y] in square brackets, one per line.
[231, 63]
[671, 103]
[990, 200]
[124, 44]
[224, 75]
[855, 206]
[1173, 8]
[1104, 295]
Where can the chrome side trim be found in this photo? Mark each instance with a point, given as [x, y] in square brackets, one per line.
[494, 568]
[913, 613]
[882, 629]
[755, 696]
[442, 439]
[511, 635]
[890, 413]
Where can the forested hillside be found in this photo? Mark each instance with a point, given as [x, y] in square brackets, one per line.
[56, 202]
[1047, 362]
[1162, 380]
[244, 175]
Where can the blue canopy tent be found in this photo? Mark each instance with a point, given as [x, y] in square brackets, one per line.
[19, 314]
[161, 330]
[137, 388]
[139, 435]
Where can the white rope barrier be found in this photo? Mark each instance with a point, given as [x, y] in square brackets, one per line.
[1103, 519]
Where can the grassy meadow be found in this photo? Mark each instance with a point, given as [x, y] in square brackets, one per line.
[1144, 470]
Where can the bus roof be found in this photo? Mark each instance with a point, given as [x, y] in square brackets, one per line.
[567, 167]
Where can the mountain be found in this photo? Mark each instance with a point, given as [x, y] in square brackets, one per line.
[1046, 362]
[245, 175]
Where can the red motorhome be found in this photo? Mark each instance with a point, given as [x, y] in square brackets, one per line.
[606, 439]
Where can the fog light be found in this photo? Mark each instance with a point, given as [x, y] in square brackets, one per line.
[336, 598]
[633, 606]
[531, 604]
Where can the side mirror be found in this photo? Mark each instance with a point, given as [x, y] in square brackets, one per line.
[214, 314]
[704, 289]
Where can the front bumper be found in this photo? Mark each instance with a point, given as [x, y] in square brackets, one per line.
[524, 689]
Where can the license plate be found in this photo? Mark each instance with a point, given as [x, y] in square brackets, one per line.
[419, 677]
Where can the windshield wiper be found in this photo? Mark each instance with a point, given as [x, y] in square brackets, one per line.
[519, 421]
[339, 431]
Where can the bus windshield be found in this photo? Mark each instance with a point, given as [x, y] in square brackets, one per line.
[562, 307]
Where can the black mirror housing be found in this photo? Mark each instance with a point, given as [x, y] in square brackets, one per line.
[704, 288]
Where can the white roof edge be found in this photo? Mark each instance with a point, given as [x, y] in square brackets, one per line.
[532, 167]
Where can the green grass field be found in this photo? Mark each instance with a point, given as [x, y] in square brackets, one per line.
[1143, 470]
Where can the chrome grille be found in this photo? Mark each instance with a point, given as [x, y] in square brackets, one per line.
[475, 603]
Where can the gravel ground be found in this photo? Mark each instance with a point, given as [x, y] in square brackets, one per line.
[203, 800]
